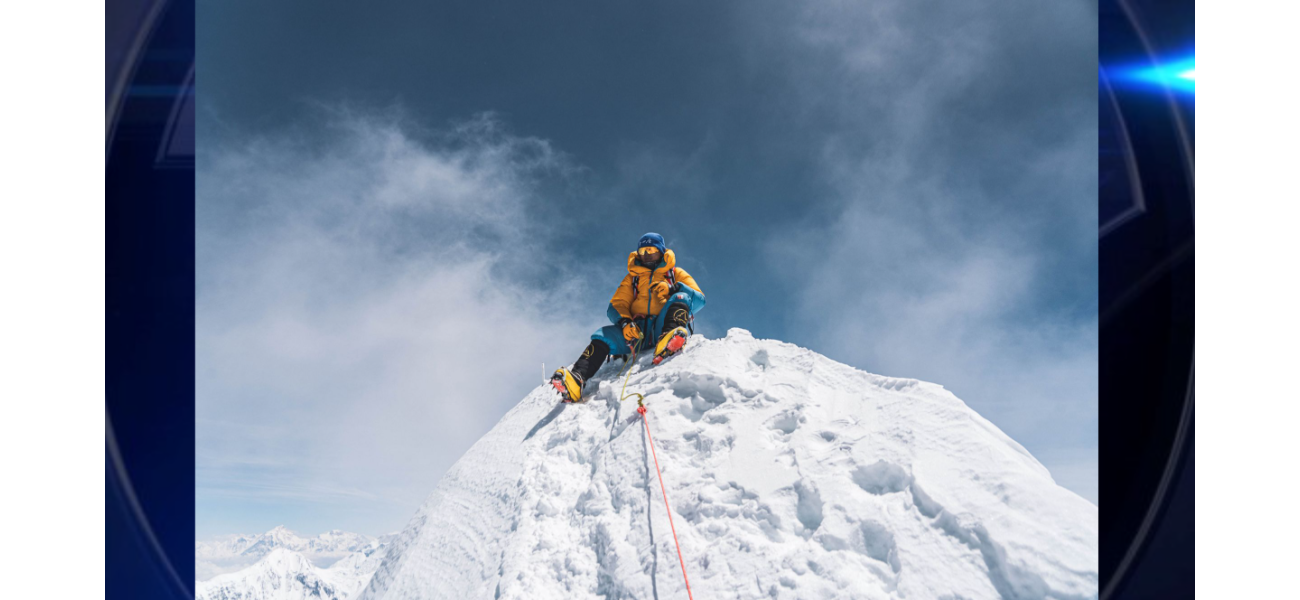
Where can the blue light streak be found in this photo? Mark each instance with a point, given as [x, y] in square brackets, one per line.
[1178, 75]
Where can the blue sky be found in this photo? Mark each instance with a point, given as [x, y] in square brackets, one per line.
[403, 211]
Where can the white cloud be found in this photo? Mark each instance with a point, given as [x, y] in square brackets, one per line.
[364, 312]
[905, 287]
[960, 189]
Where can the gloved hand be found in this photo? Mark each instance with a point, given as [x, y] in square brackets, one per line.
[661, 290]
[631, 332]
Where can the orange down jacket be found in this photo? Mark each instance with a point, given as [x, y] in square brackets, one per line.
[635, 304]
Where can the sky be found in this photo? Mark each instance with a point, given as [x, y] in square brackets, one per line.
[405, 210]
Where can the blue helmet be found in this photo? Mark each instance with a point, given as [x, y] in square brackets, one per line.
[652, 239]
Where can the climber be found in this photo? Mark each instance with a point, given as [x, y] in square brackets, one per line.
[657, 300]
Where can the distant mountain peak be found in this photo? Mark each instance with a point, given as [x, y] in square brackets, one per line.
[233, 552]
[283, 574]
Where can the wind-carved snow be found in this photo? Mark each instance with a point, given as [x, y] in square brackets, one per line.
[790, 476]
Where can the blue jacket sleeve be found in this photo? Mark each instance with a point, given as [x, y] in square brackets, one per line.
[685, 293]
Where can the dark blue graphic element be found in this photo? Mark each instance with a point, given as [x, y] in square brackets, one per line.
[1147, 306]
[149, 269]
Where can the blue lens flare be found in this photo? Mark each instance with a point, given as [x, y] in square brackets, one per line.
[1178, 75]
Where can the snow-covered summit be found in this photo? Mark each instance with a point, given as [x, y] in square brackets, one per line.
[284, 574]
[281, 575]
[790, 476]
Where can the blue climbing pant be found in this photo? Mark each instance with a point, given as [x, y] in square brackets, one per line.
[651, 327]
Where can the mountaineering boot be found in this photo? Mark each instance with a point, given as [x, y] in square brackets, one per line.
[568, 384]
[670, 343]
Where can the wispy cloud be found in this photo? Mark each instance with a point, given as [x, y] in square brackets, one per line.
[260, 491]
[959, 150]
[371, 297]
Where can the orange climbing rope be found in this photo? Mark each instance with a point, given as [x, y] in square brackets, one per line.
[641, 409]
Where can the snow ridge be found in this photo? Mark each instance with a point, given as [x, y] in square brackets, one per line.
[791, 476]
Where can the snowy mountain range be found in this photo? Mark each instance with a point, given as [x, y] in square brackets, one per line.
[330, 542]
[284, 574]
[789, 476]
[231, 553]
